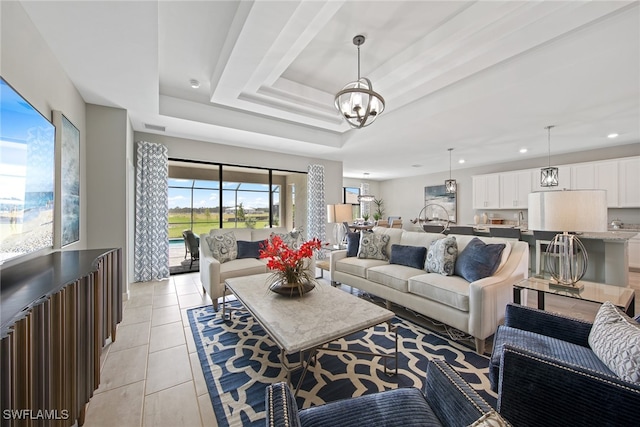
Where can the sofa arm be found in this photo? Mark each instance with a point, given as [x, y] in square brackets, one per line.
[210, 276]
[450, 397]
[334, 257]
[535, 390]
[545, 323]
[281, 406]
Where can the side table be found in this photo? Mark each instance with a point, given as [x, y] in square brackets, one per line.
[593, 292]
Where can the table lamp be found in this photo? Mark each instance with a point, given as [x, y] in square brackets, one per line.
[339, 214]
[568, 211]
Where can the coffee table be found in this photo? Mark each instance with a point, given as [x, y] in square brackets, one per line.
[593, 292]
[306, 324]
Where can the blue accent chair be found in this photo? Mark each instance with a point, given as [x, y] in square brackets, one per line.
[447, 401]
[546, 374]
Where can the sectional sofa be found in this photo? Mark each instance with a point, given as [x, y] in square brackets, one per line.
[475, 307]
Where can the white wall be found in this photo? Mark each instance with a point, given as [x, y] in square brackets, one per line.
[27, 64]
[405, 196]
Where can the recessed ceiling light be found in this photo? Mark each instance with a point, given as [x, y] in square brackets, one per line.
[194, 83]
[612, 135]
[523, 150]
[461, 161]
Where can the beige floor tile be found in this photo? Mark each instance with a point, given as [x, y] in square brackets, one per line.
[166, 336]
[193, 300]
[133, 315]
[191, 344]
[168, 368]
[131, 335]
[166, 287]
[184, 278]
[164, 300]
[206, 411]
[175, 406]
[163, 315]
[121, 406]
[186, 288]
[123, 367]
[141, 289]
[198, 376]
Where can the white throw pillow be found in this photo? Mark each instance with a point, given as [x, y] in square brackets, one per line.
[615, 339]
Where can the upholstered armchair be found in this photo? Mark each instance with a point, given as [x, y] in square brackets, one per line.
[546, 372]
[447, 401]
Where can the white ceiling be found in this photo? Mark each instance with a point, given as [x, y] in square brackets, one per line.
[484, 77]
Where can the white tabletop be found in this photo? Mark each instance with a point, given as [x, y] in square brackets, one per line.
[300, 323]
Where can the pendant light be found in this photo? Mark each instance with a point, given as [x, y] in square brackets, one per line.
[549, 175]
[450, 185]
[357, 102]
[364, 190]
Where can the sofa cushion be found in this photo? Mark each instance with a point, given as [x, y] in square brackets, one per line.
[442, 255]
[411, 256]
[393, 276]
[373, 246]
[478, 260]
[615, 339]
[292, 239]
[242, 267]
[250, 249]
[357, 266]
[448, 290]
[353, 243]
[223, 246]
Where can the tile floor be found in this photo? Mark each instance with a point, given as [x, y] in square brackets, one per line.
[151, 375]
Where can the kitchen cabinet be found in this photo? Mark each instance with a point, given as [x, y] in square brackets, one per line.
[486, 191]
[628, 183]
[597, 175]
[514, 189]
[564, 179]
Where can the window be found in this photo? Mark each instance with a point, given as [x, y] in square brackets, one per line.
[350, 195]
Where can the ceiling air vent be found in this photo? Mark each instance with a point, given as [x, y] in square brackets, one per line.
[155, 127]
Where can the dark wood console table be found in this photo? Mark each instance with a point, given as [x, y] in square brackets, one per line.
[57, 312]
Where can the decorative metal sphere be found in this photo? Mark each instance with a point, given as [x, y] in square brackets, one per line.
[567, 259]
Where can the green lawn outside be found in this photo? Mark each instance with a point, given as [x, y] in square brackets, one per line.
[176, 229]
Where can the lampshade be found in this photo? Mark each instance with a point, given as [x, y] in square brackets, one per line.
[568, 210]
[339, 213]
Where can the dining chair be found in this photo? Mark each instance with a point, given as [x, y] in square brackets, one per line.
[382, 223]
[397, 223]
[543, 240]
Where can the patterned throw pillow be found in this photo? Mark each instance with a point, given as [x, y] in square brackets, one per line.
[223, 246]
[373, 246]
[292, 239]
[615, 339]
[441, 257]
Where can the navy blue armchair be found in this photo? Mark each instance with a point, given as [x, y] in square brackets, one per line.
[545, 373]
[447, 401]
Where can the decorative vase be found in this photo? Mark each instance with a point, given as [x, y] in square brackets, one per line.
[476, 219]
[291, 289]
[485, 218]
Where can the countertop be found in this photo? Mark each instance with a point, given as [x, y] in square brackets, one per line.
[612, 234]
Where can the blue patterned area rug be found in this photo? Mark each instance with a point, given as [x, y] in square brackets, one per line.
[238, 360]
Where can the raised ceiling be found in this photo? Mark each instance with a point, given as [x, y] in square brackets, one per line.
[483, 77]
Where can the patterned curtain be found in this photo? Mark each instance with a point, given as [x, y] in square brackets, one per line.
[152, 212]
[317, 209]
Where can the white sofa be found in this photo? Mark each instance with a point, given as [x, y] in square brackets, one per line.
[475, 308]
[213, 273]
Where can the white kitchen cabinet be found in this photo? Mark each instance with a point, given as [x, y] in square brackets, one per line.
[583, 176]
[486, 191]
[514, 189]
[564, 179]
[606, 178]
[634, 252]
[629, 183]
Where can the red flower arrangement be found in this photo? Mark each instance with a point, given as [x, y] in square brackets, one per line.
[288, 265]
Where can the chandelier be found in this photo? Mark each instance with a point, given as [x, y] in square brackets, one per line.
[357, 101]
[549, 175]
[450, 184]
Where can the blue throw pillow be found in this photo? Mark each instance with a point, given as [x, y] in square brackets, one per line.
[353, 244]
[249, 249]
[478, 260]
[411, 256]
